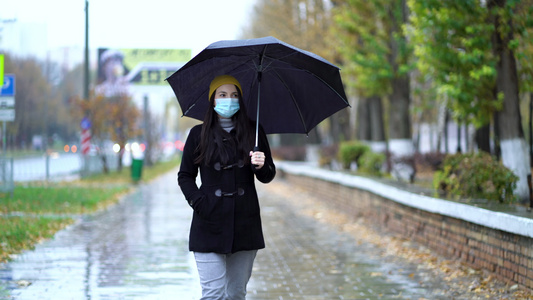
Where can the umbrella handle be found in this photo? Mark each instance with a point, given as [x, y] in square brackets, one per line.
[255, 150]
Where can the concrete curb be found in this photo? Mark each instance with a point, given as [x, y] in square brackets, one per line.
[476, 215]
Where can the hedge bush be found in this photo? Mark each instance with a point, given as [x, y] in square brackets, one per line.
[477, 176]
[371, 163]
[351, 151]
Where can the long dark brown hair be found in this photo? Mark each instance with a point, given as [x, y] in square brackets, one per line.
[214, 139]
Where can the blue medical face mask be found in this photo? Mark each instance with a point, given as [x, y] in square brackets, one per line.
[227, 107]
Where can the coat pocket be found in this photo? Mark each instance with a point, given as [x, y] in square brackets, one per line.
[209, 208]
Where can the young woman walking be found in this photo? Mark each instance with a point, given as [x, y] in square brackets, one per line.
[226, 227]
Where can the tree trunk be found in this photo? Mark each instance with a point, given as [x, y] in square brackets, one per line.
[105, 167]
[459, 148]
[530, 128]
[441, 124]
[401, 147]
[400, 132]
[400, 139]
[120, 154]
[496, 129]
[446, 135]
[482, 138]
[340, 122]
[377, 130]
[512, 142]
[334, 128]
[354, 101]
[363, 120]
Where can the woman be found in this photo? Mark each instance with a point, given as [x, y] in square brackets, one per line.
[226, 225]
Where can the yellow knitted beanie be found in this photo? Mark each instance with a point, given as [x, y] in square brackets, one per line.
[221, 80]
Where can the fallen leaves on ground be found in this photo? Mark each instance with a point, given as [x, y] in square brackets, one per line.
[461, 280]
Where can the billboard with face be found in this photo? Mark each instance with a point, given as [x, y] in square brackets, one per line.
[119, 68]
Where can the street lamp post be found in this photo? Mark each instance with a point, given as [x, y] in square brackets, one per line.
[85, 138]
[86, 60]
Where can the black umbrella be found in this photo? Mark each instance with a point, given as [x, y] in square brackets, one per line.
[286, 89]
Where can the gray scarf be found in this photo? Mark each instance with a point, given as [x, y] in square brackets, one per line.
[226, 124]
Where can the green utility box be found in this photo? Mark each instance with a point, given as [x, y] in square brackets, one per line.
[136, 169]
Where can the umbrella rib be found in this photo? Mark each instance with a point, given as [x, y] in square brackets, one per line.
[188, 109]
[314, 75]
[272, 60]
[331, 88]
[293, 100]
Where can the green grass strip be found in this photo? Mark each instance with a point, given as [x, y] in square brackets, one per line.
[60, 199]
[22, 233]
[25, 219]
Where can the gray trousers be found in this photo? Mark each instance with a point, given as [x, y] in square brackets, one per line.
[224, 276]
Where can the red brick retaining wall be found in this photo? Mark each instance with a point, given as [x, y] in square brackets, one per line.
[508, 255]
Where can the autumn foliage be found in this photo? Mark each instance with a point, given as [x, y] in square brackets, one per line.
[112, 118]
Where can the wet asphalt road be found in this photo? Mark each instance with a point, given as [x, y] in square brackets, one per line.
[138, 249]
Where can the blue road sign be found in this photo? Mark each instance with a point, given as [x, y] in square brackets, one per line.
[8, 88]
[85, 123]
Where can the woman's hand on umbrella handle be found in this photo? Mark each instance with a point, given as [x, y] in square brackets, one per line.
[258, 159]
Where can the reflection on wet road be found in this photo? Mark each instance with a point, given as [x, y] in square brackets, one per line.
[135, 250]
[138, 249]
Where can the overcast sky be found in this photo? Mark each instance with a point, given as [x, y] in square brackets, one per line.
[190, 24]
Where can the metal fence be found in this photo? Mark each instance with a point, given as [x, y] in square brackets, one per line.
[59, 167]
[95, 164]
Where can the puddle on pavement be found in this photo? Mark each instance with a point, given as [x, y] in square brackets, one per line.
[135, 250]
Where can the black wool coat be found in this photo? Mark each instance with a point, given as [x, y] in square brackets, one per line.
[226, 215]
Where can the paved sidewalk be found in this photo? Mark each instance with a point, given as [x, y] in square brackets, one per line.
[138, 249]
[308, 259]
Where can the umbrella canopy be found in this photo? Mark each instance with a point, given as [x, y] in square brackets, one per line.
[287, 89]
